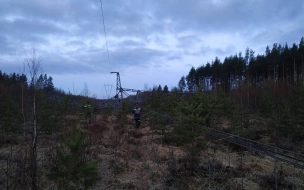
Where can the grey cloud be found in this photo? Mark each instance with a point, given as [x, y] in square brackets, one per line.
[290, 37]
[22, 30]
[45, 16]
[136, 57]
[120, 18]
[227, 51]
[62, 65]
[174, 57]
[188, 40]
[268, 38]
[264, 36]
[11, 66]
[130, 44]
[139, 18]
[5, 47]
[95, 60]
[3, 39]
[75, 43]
[143, 18]
[234, 15]
[147, 21]
[207, 50]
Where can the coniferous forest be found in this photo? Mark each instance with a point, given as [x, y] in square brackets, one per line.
[51, 139]
[280, 63]
[16, 99]
[270, 84]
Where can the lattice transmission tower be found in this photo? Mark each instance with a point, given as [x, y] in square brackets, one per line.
[122, 91]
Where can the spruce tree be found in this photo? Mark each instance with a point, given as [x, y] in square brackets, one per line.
[69, 173]
[182, 84]
[191, 115]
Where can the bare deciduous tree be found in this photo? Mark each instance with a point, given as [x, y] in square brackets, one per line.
[33, 63]
[85, 91]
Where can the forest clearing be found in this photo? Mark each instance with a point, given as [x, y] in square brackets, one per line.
[152, 95]
[142, 159]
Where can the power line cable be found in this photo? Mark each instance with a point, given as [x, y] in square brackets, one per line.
[287, 156]
[105, 34]
[255, 146]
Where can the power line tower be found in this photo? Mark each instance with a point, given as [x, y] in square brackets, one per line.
[119, 89]
[123, 91]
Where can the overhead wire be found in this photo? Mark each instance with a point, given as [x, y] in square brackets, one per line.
[105, 35]
[277, 153]
[283, 155]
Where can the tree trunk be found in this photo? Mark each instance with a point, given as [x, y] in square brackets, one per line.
[302, 71]
[283, 73]
[274, 79]
[34, 145]
[294, 69]
[34, 67]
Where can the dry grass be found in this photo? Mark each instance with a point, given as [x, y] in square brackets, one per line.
[137, 159]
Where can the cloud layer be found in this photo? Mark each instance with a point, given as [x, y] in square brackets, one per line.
[141, 35]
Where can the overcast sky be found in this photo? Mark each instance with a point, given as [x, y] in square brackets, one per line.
[150, 42]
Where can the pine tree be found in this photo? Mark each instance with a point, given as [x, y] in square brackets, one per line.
[301, 53]
[69, 173]
[182, 84]
[190, 78]
[159, 89]
[191, 115]
[9, 113]
[49, 86]
[166, 89]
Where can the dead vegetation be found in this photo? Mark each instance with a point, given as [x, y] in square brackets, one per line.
[140, 159]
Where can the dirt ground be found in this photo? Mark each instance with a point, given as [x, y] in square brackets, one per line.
[139, 159]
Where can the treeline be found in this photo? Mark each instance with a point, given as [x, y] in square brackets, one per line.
[16, 99]
[270, 86]
[281, 63]
[11, 83]
[16, 103]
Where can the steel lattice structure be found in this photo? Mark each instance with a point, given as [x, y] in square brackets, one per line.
[120, 92]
